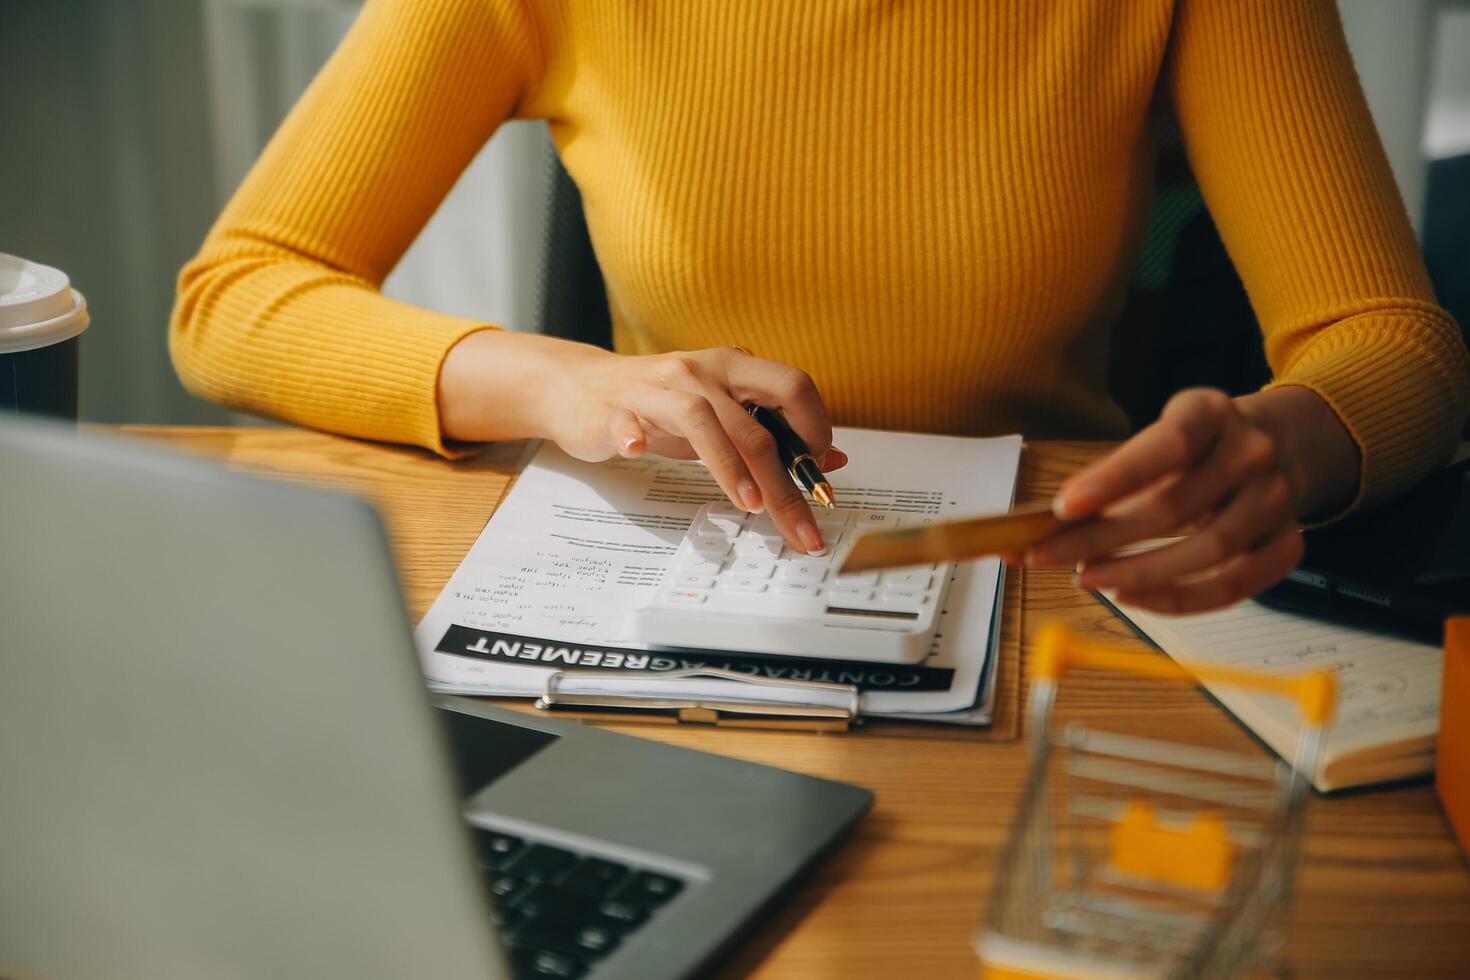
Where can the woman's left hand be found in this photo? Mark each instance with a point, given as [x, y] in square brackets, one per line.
[1207, 470]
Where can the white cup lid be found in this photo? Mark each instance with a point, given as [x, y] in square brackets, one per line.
[38, 307]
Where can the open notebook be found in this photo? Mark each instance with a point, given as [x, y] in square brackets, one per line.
[1388, 701]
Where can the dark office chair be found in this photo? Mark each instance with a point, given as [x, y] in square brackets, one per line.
[1187, 320]
[572, 301]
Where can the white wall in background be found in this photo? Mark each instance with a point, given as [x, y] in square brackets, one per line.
[480, 254]
[106, 171]
[1447, 130]
[1392, 46]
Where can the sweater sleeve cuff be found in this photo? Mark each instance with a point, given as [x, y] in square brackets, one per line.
[428, 429]
[1399, 387]
[331, 354]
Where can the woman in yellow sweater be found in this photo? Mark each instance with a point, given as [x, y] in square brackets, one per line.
[918, 214]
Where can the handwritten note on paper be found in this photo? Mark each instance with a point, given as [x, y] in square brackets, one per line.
[1388, 688]
[576, 545]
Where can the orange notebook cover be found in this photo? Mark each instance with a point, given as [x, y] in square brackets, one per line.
[1452, 768]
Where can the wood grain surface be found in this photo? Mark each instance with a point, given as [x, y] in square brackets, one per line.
[1383, 891]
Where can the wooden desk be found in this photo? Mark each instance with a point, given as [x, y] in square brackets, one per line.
[1383, 890]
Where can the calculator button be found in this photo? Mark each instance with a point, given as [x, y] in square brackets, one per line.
[804, 570]
[848, 595]
[873, 521]
[744, 583]
[912, 578]
[855, 579]
[717, 527]
[694, 561]
[831, 523]
[717, 547]
[765, 526]
[752, 567]
[811, 589]
[758, 546]
[831, 537]
[906, 600]
[693, 580]
[683, 597]
[724, 508]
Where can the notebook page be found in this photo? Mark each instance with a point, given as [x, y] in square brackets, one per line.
[1388, 688]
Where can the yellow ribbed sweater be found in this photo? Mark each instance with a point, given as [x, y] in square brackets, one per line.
[930, 206]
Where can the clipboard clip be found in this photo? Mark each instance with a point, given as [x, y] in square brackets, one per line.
[705, 711]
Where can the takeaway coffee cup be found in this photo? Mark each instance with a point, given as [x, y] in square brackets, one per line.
[41, 322]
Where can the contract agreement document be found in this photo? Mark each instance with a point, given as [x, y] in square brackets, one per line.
[575, 546]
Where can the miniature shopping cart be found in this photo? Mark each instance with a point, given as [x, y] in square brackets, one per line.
[1133, 857]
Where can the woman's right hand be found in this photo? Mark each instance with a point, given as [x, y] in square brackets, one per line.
[683, 405]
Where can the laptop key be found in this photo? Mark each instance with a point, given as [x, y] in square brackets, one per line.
[584, 942]
[508, 889]
[540, 862]
[556, 902]
[544, 963]
[650, 889]
[621, 915]
[496, 849]
[508, 917]
[596, 876]
[595, 940]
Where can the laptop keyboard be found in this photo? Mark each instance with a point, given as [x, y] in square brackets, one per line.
[559, 912]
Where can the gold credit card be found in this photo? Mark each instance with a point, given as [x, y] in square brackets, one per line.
[975, 537]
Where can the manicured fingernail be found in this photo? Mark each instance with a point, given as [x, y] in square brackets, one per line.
[811, 539]
[1077, 575]
[632, 446]
[1059, 506]
[750, 496]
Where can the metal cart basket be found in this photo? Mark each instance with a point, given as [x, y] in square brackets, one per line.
[1133, 857]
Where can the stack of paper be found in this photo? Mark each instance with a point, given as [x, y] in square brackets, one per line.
[574, 546]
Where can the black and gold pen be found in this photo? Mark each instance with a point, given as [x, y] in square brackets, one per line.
[795, 455]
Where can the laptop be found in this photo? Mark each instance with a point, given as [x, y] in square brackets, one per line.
[1403, 568]
[218, 758]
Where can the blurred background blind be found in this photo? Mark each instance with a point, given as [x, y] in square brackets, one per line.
[128, 122]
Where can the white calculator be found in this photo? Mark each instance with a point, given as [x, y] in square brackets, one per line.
[735, 585]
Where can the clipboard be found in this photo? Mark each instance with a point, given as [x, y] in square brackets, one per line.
[723, 713]
[645, 708]
[578, 505]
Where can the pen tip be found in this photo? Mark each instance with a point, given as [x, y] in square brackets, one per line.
[823, 494]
